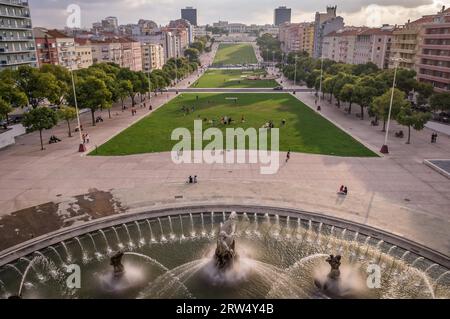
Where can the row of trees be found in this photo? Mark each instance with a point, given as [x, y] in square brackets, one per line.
[270, 48]
[196, 49]
[97, 88]
[370, 88]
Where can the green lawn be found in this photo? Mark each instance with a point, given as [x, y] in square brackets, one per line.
[305, 131]
[235, 54]
[233, 79]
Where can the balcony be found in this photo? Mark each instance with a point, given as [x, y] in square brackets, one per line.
[15, 3]
[400, 41]
[435, 67]
[434, 57]
[14, 63]
[407, 51]
[433, 78]
[436, 36]
[15, 16]
[14, 51]
[9, 39]
[434, 46]
[16, 27]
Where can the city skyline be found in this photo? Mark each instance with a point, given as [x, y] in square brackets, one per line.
[363, 12]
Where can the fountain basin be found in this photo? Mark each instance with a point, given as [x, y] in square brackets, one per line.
[171, 254]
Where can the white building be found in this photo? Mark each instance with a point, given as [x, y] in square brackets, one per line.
[153, 57]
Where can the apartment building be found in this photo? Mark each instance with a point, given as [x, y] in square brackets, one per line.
[433, 58]
[152, 57]
[17, 45]
[340, 45]
[324, 24]
[374, 45]
[123, 51]
[360, 45]
[46, 47]
[83, 56]
[297, 37]
[405, 44]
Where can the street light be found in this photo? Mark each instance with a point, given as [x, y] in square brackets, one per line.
[295, 71]
[321, 79]
[82, 146]
[385, 148]
[149, 88]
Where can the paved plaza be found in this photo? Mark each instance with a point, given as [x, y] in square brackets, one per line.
[396, 192]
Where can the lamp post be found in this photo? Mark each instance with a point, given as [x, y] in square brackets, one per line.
[295, 71]
[176, 69]
[321, 79]
[82, 146]
[385, 147]
[149, 88]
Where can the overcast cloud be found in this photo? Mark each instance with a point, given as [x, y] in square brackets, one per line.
[52, 13]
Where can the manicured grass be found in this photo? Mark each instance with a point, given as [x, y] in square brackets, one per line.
[233, 79]
[305, 130]
[235, 54]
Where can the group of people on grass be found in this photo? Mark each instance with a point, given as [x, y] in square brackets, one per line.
[192, 180]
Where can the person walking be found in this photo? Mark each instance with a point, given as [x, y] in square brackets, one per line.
[288, 156]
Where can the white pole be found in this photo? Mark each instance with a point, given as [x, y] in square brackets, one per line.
[76, 107]
[149, 88]
[390, 106]
[321, 78]
[295, 71]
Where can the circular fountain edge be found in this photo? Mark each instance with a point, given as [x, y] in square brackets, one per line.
[11, 254]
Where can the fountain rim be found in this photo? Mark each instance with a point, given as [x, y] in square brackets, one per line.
[36, 244]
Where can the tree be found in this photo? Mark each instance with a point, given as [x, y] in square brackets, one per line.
[365, 69]
[62, 76]
[192, 54]
[440, 101]
[39, 119]
[67, 114]
[38, 86]
[93, 94]
[5, 109]
[128, 75]
[328, 86]
[199, 45]
[12, 96]
[125, 89]
[341, 80]
[365, 91]
[347, 94]
[410, 118]
[381, 105]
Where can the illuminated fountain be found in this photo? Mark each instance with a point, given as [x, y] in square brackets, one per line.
[225, 255]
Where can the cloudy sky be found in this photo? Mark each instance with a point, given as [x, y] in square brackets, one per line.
[53, 13]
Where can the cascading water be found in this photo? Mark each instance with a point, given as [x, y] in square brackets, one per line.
[246, 255]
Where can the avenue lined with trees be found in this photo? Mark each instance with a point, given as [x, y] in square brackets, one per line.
[48, 91]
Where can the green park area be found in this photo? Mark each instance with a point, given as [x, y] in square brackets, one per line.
[221, 78]
[233, 54]
[304, 130]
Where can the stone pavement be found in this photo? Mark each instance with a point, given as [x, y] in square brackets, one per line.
[397, 192]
